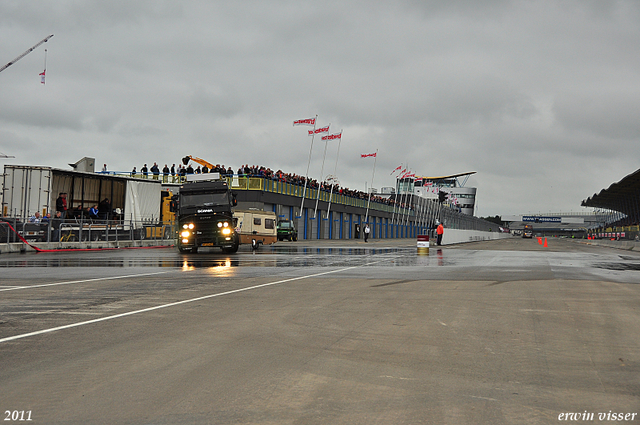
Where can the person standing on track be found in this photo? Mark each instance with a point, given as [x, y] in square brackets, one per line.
[440, 232]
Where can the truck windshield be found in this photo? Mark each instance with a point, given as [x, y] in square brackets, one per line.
[204, 199]
[284, 225]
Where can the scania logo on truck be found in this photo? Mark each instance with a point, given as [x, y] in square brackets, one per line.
[205, 211]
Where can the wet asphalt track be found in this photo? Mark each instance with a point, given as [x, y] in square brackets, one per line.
[327, 332]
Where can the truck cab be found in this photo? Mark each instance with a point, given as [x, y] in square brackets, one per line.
[205, 217]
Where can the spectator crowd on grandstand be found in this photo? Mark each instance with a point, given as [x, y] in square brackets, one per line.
[266, 173]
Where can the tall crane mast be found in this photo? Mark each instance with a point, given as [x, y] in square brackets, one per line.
[44, 40]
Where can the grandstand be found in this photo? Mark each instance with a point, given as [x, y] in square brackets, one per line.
[622, 198]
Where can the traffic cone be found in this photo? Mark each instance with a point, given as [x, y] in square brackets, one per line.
[545, 242]
[539, 241]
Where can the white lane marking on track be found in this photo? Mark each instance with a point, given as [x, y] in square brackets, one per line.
[397, 377]
[79, 281]
[483, 398]
[158, 307]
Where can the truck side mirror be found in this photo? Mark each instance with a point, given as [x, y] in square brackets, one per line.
[234, 201]
[173, 204]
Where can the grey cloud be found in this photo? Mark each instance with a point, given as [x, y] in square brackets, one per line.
[610, 114]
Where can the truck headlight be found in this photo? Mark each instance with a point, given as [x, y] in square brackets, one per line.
[188, 226]
[185, 234]
[226, 231]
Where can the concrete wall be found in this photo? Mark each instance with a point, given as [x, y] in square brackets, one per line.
[454, 236]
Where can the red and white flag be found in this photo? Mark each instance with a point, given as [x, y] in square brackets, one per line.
[308, 121]
[397, 169]
[366, 155]
[42, 76]
[319, 130]
[332, 136]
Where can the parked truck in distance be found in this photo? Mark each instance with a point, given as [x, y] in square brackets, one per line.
[205, 217]
[287, 230]
[256, 227]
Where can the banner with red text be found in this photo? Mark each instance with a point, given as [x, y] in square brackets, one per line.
[332, 136]
[319, 130]
[307, 121]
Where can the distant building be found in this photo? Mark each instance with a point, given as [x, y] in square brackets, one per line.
[457, 195]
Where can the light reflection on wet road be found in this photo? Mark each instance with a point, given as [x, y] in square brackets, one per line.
[573, 261]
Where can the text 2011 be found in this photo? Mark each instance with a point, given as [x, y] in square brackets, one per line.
[17, 415]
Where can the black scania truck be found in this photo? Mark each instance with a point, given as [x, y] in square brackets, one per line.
[205, 218]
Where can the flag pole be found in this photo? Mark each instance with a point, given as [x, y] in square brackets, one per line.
[395, 199]
[45, 67]
[403, 198]
[326, 142]
[306, 178]
[375, 158]
[411, 197]
[395, 205]
[407, 199]
[335, 169]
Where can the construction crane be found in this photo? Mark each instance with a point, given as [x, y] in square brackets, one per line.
[200, 161]
[44, 40]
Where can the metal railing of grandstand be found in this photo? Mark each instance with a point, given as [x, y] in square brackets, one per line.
[283, 188]
[91, 231]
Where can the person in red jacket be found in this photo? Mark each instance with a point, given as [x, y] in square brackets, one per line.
[61, 204]
[440, 232]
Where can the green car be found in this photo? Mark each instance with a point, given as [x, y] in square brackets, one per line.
[287, 230]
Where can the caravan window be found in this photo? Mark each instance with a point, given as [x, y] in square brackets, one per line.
[269, 223]
[257, 221]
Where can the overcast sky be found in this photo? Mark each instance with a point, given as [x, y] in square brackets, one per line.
[541, 99]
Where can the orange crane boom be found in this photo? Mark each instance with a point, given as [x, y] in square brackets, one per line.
[200, 161]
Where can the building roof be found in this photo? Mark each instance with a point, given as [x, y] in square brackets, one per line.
[610, 196]
[453, 176]
[621, 196]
